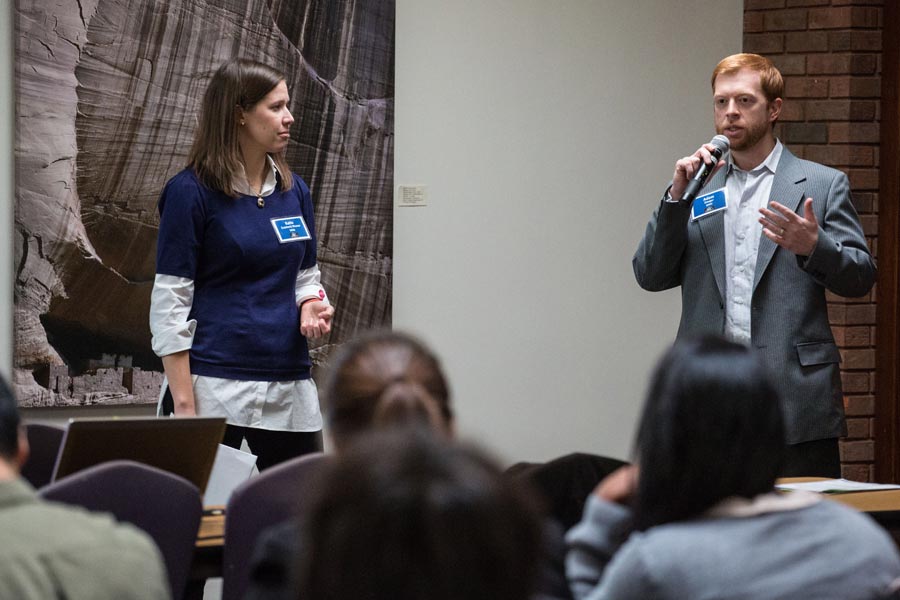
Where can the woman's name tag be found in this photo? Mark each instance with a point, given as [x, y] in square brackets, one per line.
[291, 229]
[708, 204]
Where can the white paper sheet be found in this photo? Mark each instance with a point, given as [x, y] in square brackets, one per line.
[230, 469]
[837, 486]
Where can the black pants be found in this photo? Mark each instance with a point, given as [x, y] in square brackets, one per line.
[819, 458]
[273, 447]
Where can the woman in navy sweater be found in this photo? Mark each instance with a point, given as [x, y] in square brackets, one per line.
[237, 289]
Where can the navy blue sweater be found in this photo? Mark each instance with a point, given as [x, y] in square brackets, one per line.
[248, 324]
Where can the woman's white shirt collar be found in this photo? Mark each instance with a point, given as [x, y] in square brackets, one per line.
[241, 186]
[762, 504]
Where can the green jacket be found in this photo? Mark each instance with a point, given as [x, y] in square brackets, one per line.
[51, 551]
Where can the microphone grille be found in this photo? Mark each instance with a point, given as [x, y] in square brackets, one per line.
[721, 142]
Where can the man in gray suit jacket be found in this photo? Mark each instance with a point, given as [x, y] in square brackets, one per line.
[757, 269]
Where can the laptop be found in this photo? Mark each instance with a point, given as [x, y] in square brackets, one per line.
[185, 446]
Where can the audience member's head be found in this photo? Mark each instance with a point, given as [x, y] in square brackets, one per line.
[385, 379]
[13, 446]
[405, 515]
[712, 428]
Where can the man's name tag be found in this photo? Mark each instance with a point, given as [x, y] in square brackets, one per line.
[708, 204]
[291, 229]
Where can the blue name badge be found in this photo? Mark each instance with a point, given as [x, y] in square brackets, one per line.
[708, 204]
[291, 229]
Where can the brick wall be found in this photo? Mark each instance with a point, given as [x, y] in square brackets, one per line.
[829, 52]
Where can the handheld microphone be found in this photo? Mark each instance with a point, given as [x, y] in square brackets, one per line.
[721, 144]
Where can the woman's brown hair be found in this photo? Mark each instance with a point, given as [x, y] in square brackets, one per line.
[215, 154]
[385, 379]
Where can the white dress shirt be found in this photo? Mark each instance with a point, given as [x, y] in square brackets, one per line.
[274, 405]
[747, 192]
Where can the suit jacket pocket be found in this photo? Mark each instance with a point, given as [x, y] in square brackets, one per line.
[818, 353]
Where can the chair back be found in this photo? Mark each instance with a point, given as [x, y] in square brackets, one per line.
[274, 496]
[166, 506]
[44, 440]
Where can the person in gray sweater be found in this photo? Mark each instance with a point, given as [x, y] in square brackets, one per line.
[696, 515]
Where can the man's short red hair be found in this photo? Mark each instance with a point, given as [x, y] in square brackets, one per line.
[769, 76]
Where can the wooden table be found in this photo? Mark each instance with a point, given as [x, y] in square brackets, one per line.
[207, 561]
[881, 505]
[212, 527]
[871, 502]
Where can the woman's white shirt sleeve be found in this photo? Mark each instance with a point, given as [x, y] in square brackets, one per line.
[170, 306]
[309, 285]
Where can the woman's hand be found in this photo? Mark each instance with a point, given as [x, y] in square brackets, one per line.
[619, 486]
[315, 318]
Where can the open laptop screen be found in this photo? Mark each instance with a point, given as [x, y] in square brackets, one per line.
[185, 446]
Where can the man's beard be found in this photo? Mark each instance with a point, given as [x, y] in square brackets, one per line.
[752, 136]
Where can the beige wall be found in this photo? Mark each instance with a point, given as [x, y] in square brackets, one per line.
[545, 132]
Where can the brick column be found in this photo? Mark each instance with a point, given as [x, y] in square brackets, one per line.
[829, 52]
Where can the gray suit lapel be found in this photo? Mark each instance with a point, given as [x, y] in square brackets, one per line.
[787, 189]
[712, 230]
